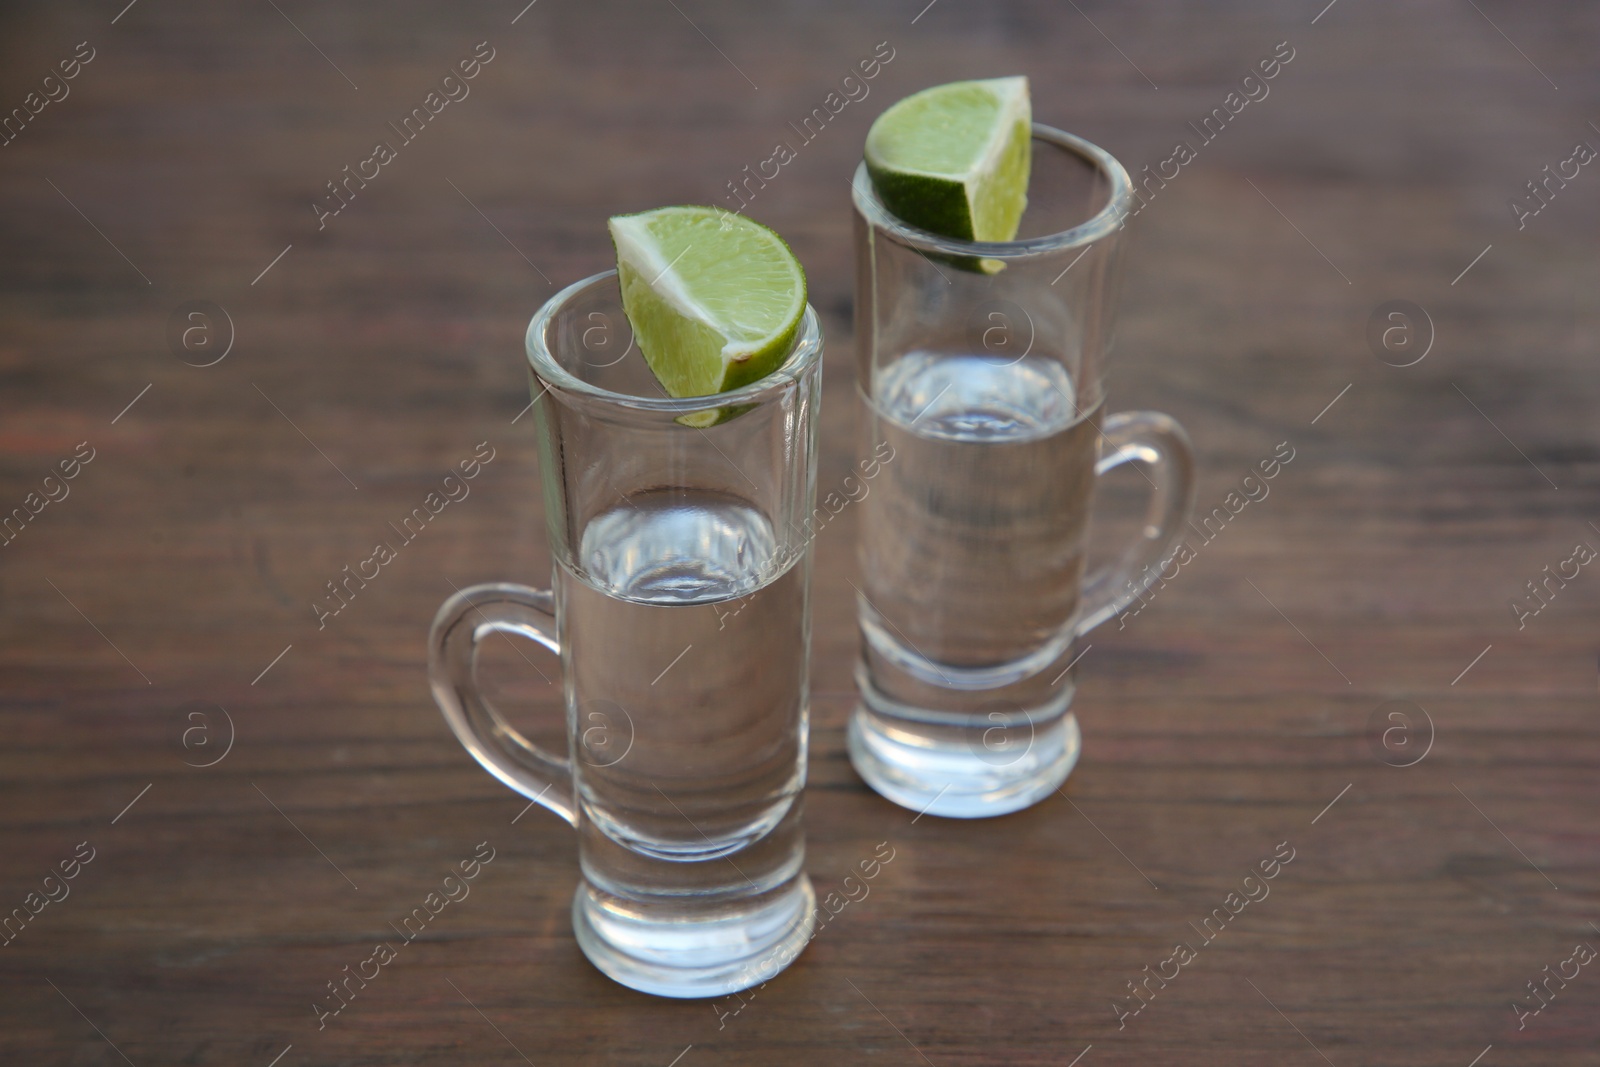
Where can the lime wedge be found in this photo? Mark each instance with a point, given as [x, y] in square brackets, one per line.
[714, 299]
[953, 159]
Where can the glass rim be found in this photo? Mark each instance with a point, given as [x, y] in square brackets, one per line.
[805, 353]
[1106, 221]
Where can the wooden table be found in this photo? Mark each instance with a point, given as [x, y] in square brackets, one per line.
[161, 609]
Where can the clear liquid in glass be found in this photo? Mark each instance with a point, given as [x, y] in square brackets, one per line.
[685, 656]
[972, 557]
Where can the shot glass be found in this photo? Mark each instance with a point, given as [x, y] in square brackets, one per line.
[680, 609]
[981, 370]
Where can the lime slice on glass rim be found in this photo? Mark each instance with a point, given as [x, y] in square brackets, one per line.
[715, 300]
[954, 160]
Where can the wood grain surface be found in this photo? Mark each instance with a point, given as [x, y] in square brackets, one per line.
[161, 608]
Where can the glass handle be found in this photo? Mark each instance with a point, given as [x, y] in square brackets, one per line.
[1159, 443]
[463, 621]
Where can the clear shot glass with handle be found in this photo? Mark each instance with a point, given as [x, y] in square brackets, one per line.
[679, 607]
[981, 371]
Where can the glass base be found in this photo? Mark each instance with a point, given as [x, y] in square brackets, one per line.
[949, 773]
[687, 958]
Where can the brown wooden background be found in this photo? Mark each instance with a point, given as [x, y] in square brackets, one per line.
[190, 550]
